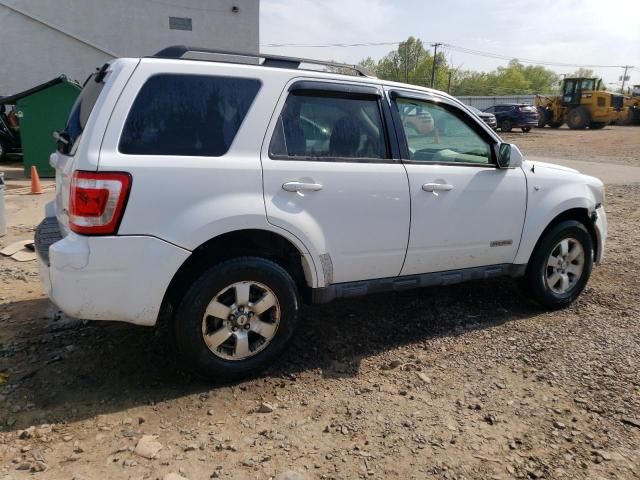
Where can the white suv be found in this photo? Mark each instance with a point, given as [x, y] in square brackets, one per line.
[221, 189]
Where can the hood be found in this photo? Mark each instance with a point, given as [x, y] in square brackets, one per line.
[530, 163]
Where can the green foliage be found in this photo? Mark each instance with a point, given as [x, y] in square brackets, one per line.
[412, 63]
[583, 73]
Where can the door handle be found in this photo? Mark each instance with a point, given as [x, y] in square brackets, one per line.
[301, 187]
[437, 187]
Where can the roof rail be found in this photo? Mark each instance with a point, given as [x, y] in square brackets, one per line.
[268, 60]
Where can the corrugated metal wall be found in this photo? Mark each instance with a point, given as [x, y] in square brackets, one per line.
[485, 102]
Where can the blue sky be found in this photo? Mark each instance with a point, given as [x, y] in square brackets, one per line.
[602, 32]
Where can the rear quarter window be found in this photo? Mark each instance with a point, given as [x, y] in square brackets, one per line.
[187, 115]
[81, 110]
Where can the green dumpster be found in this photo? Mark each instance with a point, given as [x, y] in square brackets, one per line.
[42, 110]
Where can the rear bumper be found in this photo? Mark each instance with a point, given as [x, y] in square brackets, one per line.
[526, 122]
[121, 278]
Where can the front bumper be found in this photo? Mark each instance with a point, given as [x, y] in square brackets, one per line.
[122, 278]
[600, 226]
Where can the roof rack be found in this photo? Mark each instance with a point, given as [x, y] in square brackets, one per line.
[268, 60]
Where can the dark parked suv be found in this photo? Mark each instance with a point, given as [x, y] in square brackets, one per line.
[510, 116]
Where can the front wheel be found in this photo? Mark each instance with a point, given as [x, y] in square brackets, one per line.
[578, 118]
[236, 318]
[506, 125]
[560, 265]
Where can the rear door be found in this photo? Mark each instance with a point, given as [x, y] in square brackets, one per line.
[330, 178]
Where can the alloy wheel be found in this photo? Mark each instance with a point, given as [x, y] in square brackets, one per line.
[241, 320]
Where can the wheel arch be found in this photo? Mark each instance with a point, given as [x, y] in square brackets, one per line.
[247, 242]
[579, 214]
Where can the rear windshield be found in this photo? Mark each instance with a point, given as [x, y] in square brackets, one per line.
[82, 109]
[190, 115]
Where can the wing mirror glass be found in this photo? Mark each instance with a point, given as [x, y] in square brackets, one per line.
[509, 156]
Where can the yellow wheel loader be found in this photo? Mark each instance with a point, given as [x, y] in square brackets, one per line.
[583, 103]
[631, 113]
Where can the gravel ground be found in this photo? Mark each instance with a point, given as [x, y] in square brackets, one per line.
[463, 382]
[614, 144]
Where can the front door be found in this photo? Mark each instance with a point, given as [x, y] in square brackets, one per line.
[329, 179]
[465, 211]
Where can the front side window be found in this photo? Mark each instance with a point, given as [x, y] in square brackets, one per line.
[329, 126]
[190, 115]
[436, 134]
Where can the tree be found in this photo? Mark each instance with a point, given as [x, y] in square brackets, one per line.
[583, 73]
[369, 64]
[412, 63]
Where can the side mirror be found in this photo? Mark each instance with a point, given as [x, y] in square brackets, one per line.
[509, 156]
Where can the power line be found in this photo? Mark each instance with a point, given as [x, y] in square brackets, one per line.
[450, 46]
[328, 45]
[524, 60]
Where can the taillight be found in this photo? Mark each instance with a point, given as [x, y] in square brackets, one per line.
[97, 201]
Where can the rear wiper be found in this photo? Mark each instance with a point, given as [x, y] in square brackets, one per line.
[101, 73]
[61, 137]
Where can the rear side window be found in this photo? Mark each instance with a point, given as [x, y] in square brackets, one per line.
[190, 115]
[329, 126]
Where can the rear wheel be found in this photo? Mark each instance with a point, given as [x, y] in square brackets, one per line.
[236, 318]
[578, 118]
[506, 125]
[560, 265]
[526, 129]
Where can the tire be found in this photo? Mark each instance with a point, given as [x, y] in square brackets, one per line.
[542, 117]
[545, 283]
[506, 125]
[265, 334]
[555, 124]
[597, 125]
[526, 129]
[578, 118]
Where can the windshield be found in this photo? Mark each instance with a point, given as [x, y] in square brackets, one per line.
[81, 110]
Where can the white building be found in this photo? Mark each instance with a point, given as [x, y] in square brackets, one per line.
[43, 39]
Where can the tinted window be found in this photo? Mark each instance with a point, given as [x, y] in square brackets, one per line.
[194, 115]
[329, 127]
[81, 110]
[490, 110]
[437, 134]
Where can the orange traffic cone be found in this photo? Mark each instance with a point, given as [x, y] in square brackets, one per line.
[36, 188]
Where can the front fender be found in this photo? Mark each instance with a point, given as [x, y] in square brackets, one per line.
[544, 204]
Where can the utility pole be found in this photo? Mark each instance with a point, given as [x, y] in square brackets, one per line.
[624, 77]
[433, 67]
[449, 84]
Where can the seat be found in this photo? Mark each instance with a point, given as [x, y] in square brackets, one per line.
[345, 138]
